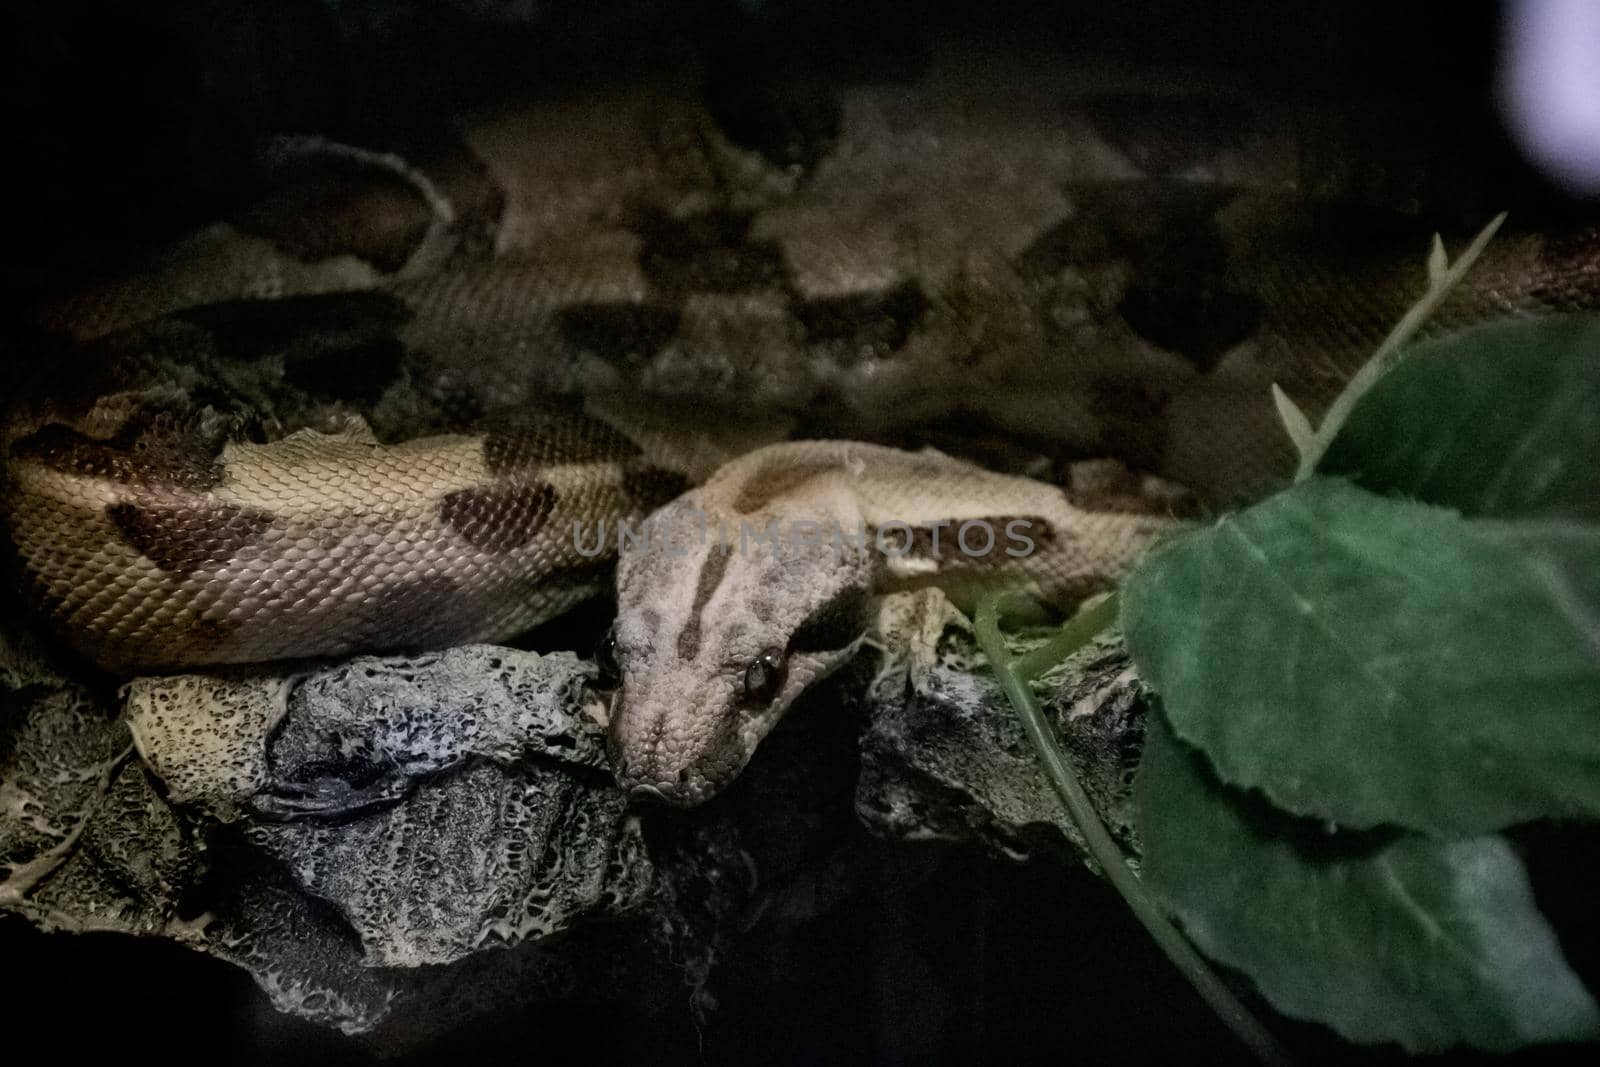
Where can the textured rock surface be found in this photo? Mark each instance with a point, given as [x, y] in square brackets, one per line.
[394, 846]
[332, 831]
[943, 757]
[66, 795]
[452, 801]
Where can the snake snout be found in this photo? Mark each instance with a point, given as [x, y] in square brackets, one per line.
[675, 748]
[644, 776]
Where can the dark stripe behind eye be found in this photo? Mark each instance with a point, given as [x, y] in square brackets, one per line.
[710, 577]
[834, 625]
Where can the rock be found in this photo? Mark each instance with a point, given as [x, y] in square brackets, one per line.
[944, 757]
[395, 845]
[330, 831]
[68, 817]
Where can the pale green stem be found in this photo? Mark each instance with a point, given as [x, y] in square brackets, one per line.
[1441, 281]
[1078, 631]
[1101, 846]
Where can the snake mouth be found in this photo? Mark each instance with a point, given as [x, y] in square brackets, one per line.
[684, 792]
[652, 781]
[655, 778]
[645, 778]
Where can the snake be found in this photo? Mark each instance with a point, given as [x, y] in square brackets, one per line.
[628, 345]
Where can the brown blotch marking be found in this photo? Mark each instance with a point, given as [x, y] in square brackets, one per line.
[184, 538]
[766, 485]
[1122, 222]
[763, 606]
[616, 331]
[524, 450]
[499, 518]
[1192, 315]
[402, 603]
[716, 565]
[1179, 297]
[861, 325]
[648, 487]
[711, 252]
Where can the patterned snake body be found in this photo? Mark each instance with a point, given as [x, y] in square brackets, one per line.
[927, 257]
[316, 544]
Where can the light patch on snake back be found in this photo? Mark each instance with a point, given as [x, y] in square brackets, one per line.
[320, 544]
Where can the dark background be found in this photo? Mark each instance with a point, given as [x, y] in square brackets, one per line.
[133, 124]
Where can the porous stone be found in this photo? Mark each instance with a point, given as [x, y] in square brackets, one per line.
[438, 802]
[394, 845]
[333, 830]
[944, 757]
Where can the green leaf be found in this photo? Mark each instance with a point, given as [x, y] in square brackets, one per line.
[1500, 420]
[1375, 661]
[1431, 944]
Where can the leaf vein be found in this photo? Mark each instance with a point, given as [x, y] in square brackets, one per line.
[1511, 458]
[1362, 666]
[1431, 926]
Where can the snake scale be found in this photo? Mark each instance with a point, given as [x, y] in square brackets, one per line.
[588, 313]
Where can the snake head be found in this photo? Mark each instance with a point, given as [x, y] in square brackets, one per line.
[716, 636]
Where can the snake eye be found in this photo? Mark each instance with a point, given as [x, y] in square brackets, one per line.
[764, 677]
[605, 658]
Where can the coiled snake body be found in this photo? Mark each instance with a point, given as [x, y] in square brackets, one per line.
[931, 261]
